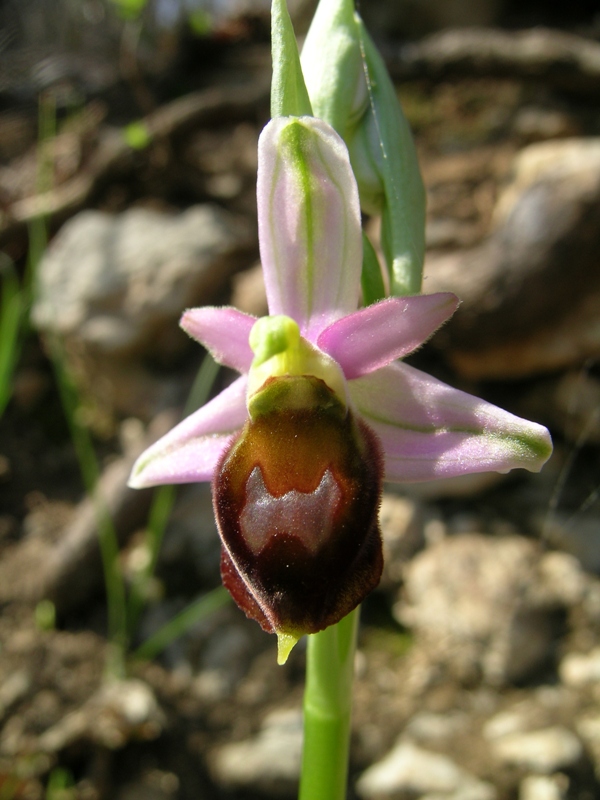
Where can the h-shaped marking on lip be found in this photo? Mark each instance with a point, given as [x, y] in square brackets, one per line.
[306, 515]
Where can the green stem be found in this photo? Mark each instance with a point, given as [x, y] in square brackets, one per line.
[327, 709]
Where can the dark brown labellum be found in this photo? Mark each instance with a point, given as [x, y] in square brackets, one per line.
[296, 499]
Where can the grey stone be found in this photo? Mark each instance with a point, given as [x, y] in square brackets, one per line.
[112, 281]
[543, 787]
[476, 791]
[531, 292]
[536, 711]
[482, 607]
[401, 520]
[112, 288]
[578, 534]
[544, 751]
[588, 727]
[408, 771]
[533, 123]
[118, 712]
[428, 727]
[191, 537]
[269, 763]
[17, 686]
[581, 669]
[457, 486]
[512, 720]
[248, 291]
[567, 402]
[563, 579]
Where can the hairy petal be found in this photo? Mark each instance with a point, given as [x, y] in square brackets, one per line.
[429, 430]
[308, 222]
[224, 332]
[379, 334]
[296, 499]
[191, 451]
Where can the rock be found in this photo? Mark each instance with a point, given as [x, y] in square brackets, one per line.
[227, 651]
[430, 728]
[112, 288]
[248, 291]
[538, 710]
[211, 686]
[505, 723]
[531, 292]
[409, 771]
[534, 123]
[269, 763]
[119, 712]
[17, 686]
[401, 521]
[569, 403]
[191, 551]
[577, 534]
[457, 486]
[544, 751]
[482, 607]
[563, 578]
[153, 784]
[476, 791]
[588, 727]
[579, 669]
[66, 567]
[113, 281]
[543, 787]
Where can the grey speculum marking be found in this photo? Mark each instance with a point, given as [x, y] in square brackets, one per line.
[305, 515]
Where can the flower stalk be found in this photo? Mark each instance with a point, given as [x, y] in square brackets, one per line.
[327, 711]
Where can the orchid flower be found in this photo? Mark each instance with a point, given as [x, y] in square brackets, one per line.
[298, 445]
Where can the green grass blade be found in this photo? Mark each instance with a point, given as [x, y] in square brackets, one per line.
[11, 314]
[196, 611]
[90, 471]
[164, 499]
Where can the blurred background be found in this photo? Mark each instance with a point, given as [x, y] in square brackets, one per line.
[128, 133]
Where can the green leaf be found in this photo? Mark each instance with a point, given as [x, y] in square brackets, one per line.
[371, 278]
[288, 90]
[403, 214]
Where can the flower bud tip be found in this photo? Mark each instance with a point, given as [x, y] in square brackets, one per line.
[285, 644]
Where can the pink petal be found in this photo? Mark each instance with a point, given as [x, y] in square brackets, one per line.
[224, 332]
[308, 222]
[190, 451]
[379, 334]
[430, 430]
